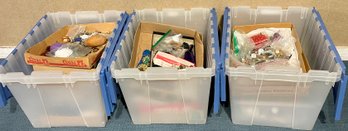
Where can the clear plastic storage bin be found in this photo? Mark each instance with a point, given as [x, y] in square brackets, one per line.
[283, 98]
[54, 99]
[165, 95]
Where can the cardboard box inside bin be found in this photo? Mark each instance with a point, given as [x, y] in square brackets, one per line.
[36, 54]
[302, 58]
[143, 40]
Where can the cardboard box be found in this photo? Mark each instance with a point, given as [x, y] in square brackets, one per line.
[302, 58]
[144, 38]
[36, 54]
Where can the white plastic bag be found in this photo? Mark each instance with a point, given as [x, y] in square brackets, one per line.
[265, 48]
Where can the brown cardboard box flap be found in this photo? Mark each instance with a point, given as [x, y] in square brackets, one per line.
[302, 58]
[143, 40]
[36, 54]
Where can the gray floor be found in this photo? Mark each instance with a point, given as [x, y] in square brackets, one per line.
[12, 118]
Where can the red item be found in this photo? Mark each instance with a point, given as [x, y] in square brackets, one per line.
[167, 60]
[259, 39]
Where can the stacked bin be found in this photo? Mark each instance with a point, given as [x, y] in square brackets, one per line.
[54, 99]
[168, 95]
[284, 98]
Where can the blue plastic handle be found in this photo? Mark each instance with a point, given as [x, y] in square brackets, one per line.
[218, 71]
[342, 85]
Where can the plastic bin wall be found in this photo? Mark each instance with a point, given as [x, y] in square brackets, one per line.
[168, 95]
[54, 99]
[283, 98]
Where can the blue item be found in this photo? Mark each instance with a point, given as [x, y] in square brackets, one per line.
[5, 93]
[108, 80]
[78, 39]
[109, 92]
[218, 68]
[3, 100]
[340, 87]
[145, 60]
